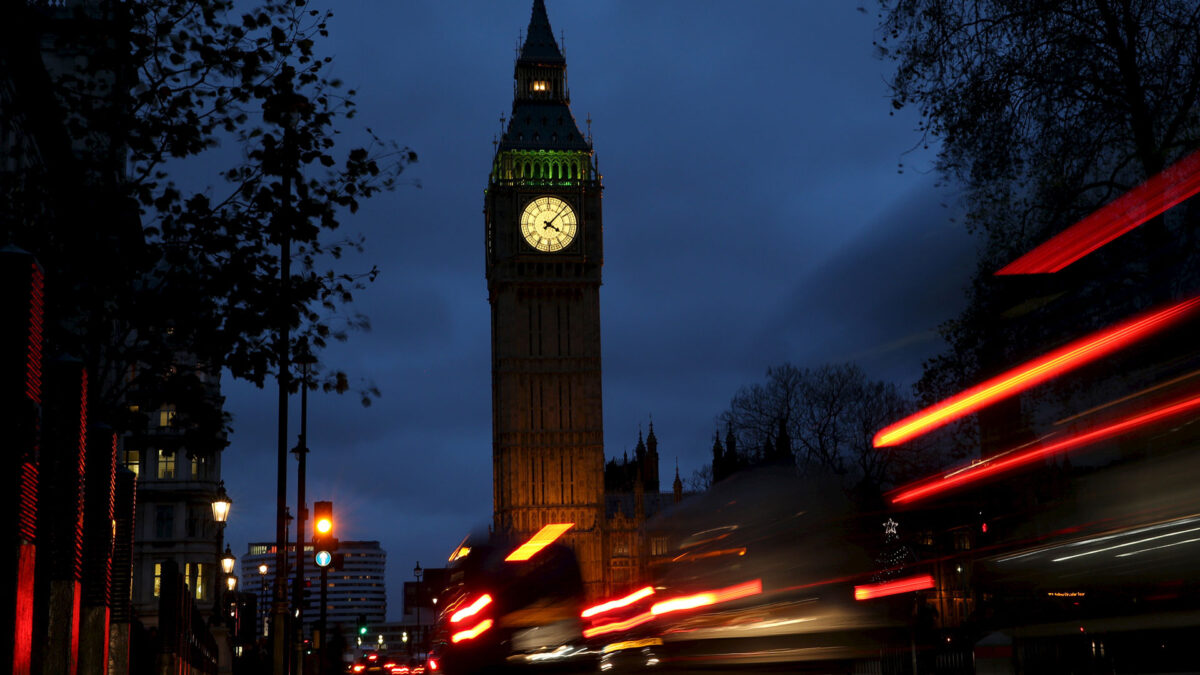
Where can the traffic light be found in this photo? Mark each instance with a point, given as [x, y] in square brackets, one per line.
[362, 624]
[322, 520]
[324, 543]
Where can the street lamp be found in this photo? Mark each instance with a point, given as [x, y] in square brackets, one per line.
[221, 505]
[262, 574]
[227, 561]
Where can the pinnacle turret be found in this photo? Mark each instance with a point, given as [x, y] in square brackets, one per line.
[540, 46]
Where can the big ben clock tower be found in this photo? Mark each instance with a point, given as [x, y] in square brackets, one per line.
[544, 253]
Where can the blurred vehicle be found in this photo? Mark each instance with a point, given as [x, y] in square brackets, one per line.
[504, 610]
[760, 571]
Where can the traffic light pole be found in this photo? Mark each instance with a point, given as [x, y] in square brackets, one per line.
[323, 652]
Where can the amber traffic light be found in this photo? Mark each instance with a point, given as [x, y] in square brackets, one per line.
[324, 543]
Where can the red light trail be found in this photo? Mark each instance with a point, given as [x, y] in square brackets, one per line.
[466, 612]
[1157, 194]
[618, 603]
[1027, 375]
[472, 633]
[996, 464]
[905, 585]
[679, 604]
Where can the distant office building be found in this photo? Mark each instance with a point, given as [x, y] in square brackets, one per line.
[356, 590]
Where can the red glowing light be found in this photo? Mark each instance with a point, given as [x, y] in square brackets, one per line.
[618, 625]
[472, 633]
[433, 664]
[1007, 461]
[1027, 375]
[708, 598]
[618, 603]
[1161, 192]
[358, 667]
[905, 585]
[678, 604]
[471, 610]
[539, 541]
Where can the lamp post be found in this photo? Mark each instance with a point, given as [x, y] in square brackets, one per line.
[262, 574]
[284, 109]
[221, 504]
[417, 596]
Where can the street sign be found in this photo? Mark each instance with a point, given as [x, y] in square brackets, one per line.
[323, 558]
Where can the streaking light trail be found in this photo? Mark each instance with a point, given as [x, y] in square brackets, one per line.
[618, 603]
[1027, 375]
[905, 585]
[539, 541]
[618, 625]
[472, 609]
[472, 633]
[710, 598]
[1161, 192]
[1011, 460]
[678, 604]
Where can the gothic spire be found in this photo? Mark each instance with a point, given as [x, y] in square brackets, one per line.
[540, 46]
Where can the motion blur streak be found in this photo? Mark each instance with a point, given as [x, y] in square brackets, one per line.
[1155, 548]
[539, 541]
[472, 609]
[620, 602]
[709, 598]
[992, 466]
[1159, 193]
[1049, 366]
[1128, 544]
[472, 633]
[905, 585]
[618, 625]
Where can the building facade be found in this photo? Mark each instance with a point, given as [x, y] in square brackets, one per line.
[178, 478]
[544, 255]
[358, 589]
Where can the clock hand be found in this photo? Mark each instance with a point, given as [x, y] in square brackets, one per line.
[551, 226]
[564, 208]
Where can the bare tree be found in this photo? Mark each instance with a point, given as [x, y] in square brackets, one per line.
[828, 415]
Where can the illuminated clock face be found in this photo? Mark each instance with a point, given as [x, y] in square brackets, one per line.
[548, 224]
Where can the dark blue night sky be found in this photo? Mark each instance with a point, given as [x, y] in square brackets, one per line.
[754, 210]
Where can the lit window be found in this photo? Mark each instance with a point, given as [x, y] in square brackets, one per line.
[157, 579]
[133, 461]
[199, 468]
[166, 416]
[166, 463]
[541, 85]
[198, 582]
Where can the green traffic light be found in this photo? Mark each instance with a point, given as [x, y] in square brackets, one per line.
[362, 630]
